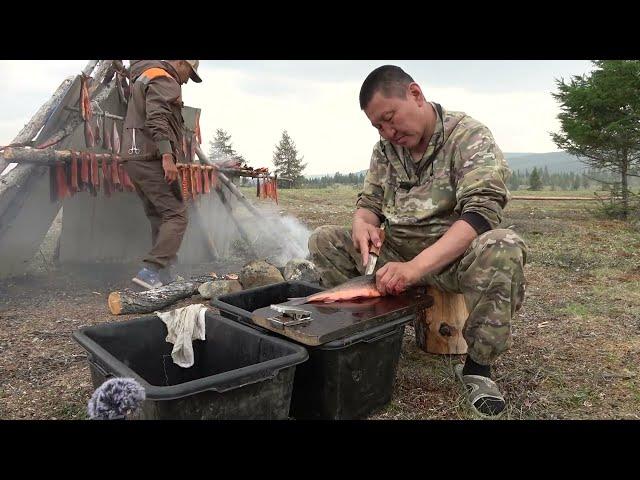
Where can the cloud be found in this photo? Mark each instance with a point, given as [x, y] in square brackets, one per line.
[255, 101]
[325, 121]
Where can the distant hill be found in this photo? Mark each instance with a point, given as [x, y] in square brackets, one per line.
[555, 162]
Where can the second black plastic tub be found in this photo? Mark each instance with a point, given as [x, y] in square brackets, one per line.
[238, 373]
[344, 379]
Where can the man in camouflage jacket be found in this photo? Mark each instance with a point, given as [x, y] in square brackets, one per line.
[437, 180]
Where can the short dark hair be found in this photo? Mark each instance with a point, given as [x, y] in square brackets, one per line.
[391, 80]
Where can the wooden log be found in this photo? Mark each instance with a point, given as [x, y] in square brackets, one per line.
[100, 73]
[45, 156]
[439, 328]
[90, 66]
[128, 301]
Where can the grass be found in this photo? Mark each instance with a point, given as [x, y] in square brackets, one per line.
[576, 340]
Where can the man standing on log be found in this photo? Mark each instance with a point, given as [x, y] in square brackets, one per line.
[437, 181]
[151, 145]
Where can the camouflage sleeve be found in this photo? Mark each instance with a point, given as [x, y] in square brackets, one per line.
[480, 173]
[372, 193]
[161, 92]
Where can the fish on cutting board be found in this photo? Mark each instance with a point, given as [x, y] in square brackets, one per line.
[359, 287]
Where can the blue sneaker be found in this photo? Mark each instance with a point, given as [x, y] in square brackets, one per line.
[147, 278]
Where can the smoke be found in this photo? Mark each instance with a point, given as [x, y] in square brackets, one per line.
[285, 237]
[273, 236]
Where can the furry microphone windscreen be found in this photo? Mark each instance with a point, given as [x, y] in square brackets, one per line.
[115, 399]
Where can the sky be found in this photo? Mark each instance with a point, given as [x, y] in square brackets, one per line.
[316, 101]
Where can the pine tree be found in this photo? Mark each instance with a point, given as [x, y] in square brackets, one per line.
[599, 120]
[535, 182]
[576, 182]
[286, 161]
[221, 148]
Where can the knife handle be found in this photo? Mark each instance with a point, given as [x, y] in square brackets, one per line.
[376, 250]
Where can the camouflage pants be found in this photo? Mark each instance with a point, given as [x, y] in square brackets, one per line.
[489, 275]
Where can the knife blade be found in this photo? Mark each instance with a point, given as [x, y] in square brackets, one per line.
[374, 253]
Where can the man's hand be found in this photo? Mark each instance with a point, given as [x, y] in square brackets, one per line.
[362, 234]
[170, 169]
[395, 277]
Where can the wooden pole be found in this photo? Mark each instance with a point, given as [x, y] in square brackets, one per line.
[89, 68]
[229, 184]
[241, 230]
[46, 156]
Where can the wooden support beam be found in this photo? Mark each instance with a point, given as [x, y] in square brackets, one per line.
[241, 230]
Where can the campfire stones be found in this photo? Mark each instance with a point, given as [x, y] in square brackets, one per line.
[299, 269]
[259, 273]
[219, 287]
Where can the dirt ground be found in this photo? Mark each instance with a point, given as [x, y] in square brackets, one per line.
[575, 353]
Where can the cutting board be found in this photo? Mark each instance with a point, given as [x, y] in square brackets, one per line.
[333, 321]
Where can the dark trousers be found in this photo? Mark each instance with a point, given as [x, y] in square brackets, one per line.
[164, 207]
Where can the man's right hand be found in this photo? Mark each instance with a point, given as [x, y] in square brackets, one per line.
[170, 169]
[364, 234]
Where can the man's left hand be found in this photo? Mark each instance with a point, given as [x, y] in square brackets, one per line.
[170, 169]
[395, 277]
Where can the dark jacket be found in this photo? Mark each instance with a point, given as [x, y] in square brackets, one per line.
[154, 112]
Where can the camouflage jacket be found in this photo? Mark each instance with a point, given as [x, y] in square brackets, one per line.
[468, 174]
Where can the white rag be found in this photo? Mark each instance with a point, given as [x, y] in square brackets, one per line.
[183, 326]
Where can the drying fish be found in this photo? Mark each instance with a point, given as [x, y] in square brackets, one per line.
[98, 130]
[53, 139]
[61, 182]
[86, 113]
[106, 136]
[106, 178]
[84, 171]
[197, 130]
[206, 181]
[95, 172]
[198, 173]
[358, 287]
[115, 139]
[115, 174]
[185, 177]
[73, 183]
[194, 188]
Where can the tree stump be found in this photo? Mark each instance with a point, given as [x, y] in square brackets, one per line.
[439, 327]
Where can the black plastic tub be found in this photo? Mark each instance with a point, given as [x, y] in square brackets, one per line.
[238, 372]
[344, 379]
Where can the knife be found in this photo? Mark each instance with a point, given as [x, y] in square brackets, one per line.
[374, 253]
